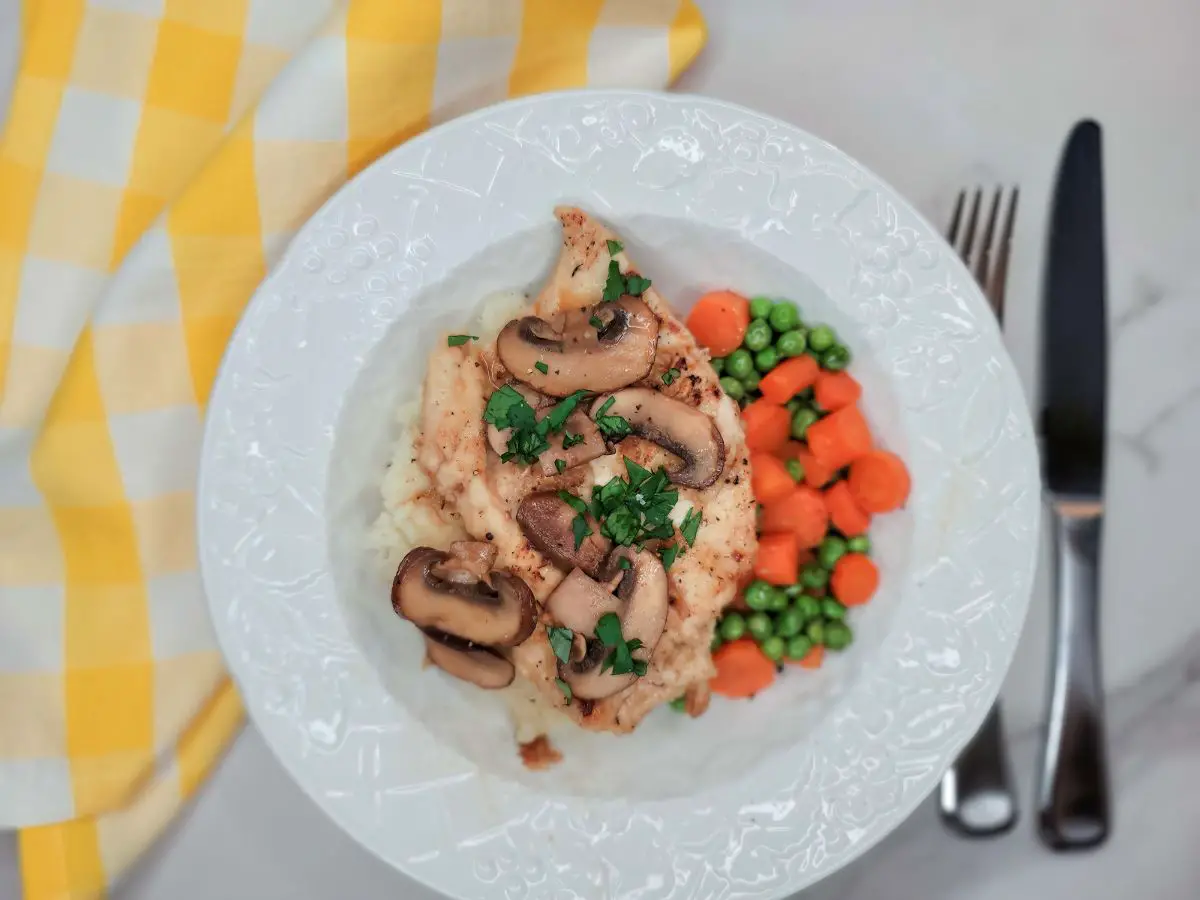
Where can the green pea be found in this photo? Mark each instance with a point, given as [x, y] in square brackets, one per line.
[821, 338]
[733, 626]
[836, 358]
[679, 704]
[832, 609]
[808, 606]
[751, 381]
[859, 544]
[838, 635]
[792, 343]
[803, 417]
[716, 642]
[760, 307]
[798, 647]
[795, 469]
[773, 648]
[831, 550]
[784, 316]
[718, 364]
[766, 359]
[758, 335]
[794, 404]
[760, 626]
[816, 631]
[813, 576]
[739, 363]
[793, 591]
[779, 600]
[758, 595]
[789, 623]
[733, 387]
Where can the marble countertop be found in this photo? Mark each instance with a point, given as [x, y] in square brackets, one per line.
[932, 96]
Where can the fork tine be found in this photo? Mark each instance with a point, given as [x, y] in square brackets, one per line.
[1000, 276]
[956, 219]
[983, 261]
[972, 221]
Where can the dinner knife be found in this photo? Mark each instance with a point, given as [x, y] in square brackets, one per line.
[1074, 805]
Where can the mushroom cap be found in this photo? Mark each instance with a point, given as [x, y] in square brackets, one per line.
[481, 666]
[502, 614]
[676, 427]
[579, 355]
[640, 600]
[545, 520]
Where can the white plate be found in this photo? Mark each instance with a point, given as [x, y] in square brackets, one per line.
[755, 799]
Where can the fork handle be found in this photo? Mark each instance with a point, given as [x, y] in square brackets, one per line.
[977, 795]
[1074, 791]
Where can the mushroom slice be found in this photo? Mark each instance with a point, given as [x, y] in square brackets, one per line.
[641, 602]
[579, 354]
[501, 614]
[546, 521]
[469, 562]
[481, 666]
[676, 427]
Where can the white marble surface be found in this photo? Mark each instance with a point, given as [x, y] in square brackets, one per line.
[933, 95]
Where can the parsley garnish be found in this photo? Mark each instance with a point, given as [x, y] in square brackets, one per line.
[669, 555]
[580, 529]
[596, 322]
[570, 440]
[636, 510]
[541, 367]
[557, 417]
[506, 408]
[620, 660]
[691, 525]
[572, 501]
[670, 375]
[617, 285]
[612, 427]
[614, 247]
[501, 404]
[560, 466]
[624, 563]
[457, 340]
[566, 690]
[560, 641]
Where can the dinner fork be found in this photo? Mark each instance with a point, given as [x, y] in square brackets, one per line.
[977, 796]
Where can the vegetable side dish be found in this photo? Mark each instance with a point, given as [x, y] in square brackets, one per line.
[817, 477]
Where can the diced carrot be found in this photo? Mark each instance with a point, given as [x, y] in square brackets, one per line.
[802, 513]
[812, 659]
[742, 669]
[816, 474]
[778, 559]
[879, 481]
[718, 321]
[769, 477]
[844, 512]
[789, 378]
[767, 426]
[854, 579]
[840, 438]
[833, 390]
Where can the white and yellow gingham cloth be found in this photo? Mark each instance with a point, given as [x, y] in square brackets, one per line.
[157, 157]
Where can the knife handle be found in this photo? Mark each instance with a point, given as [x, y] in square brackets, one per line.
[1074, 788]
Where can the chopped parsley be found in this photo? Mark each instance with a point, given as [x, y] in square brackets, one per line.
[570, 440]
[541, 367]
[636, 510]
[572, 501]
[618, 285]
[669, 555]
[620, 660]
[457, 340]
[560, 466]
[612, 427]
[691, 525]
[624, 563]
[560, 641]
[507, 409]
[670, 375]
[580, 529]
[566, 690]
[596, 322]
[614, 247]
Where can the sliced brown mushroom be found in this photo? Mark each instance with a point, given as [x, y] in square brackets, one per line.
[501, 614]
[641, 602]
[481, 666]
[600, 348]
[546, 521]
[676, 427]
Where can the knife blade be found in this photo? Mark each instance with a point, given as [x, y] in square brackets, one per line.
[1074, 805]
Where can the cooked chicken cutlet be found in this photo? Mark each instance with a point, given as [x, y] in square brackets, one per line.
[701, 447]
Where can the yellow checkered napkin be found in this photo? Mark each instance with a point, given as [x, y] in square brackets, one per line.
[158, 156]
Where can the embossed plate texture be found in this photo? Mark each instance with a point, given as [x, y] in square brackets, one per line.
[755, 799]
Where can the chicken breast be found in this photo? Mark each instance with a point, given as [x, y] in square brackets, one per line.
[486, 492]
